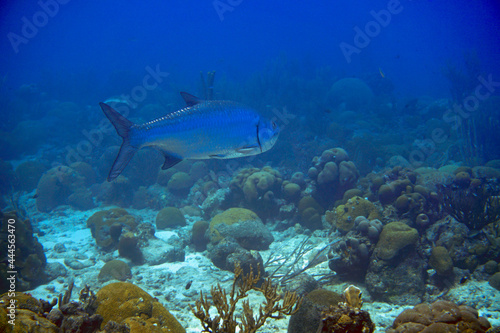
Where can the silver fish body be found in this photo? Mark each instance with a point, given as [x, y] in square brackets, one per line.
[202, 130]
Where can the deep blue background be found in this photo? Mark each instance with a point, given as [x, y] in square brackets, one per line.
[89, 40]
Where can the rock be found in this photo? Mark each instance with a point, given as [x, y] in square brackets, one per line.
[55, 270]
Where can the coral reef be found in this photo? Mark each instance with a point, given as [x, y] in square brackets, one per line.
[334, 174]
[198, 237]
[124, 302]
[349, 257]
[244, 226]
[115, 269]
[108, 225]
[440, 316]
[226, 322]
[310, 212]
[475, 206]
[344, 215]
[228, 252]
[400, 281]
[62, 185]
[326, 311]
[28, 174]
[128, 247]
[170, 217]
[395, 236]
[28, 258]
[342, 318]
[257, 189]
[29, 315]
[179, 183]
[441, 261]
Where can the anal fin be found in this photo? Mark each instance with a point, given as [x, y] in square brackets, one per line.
[170, 161]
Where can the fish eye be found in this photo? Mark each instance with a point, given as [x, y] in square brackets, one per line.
[274, 125]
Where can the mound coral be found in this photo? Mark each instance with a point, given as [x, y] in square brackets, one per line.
[353, 93]
[441, 261]
[344, 215]
[394, 237]
[107, 226]
[29, 173]
[440, 316]
[180, 183]
[124, 302]
[57, 185]
[198, 235]
[29, 315]
[170, 217]
[244, 226]
[334, 174]
[310, 213]
[257, 189]
[115, 269]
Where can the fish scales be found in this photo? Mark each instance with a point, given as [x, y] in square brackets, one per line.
[202, 130]
[192, 132]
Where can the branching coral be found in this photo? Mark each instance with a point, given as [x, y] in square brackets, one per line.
[475, 206]
[285, 267]
[226, 305]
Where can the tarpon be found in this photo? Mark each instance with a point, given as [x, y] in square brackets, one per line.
[202, 130]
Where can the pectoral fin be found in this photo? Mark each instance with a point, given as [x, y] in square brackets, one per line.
[245, 150]
[217, 156]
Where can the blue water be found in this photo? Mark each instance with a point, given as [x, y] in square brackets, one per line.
[87, 41]
[396, 84]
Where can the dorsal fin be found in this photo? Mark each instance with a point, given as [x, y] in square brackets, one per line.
[190, 99]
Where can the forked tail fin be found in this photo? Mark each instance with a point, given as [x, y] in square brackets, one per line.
[127, 151]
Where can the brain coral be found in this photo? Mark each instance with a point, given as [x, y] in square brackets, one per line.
[122, 301]
[440, 316]
[394, 237]
[170, 217]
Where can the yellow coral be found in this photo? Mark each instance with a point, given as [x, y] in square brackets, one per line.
[344, 215]
[125, 302]
[394, 237]
[229, 217]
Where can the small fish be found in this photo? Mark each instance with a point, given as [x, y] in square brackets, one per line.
[381, 73]
[118, 100]
[202, 130]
